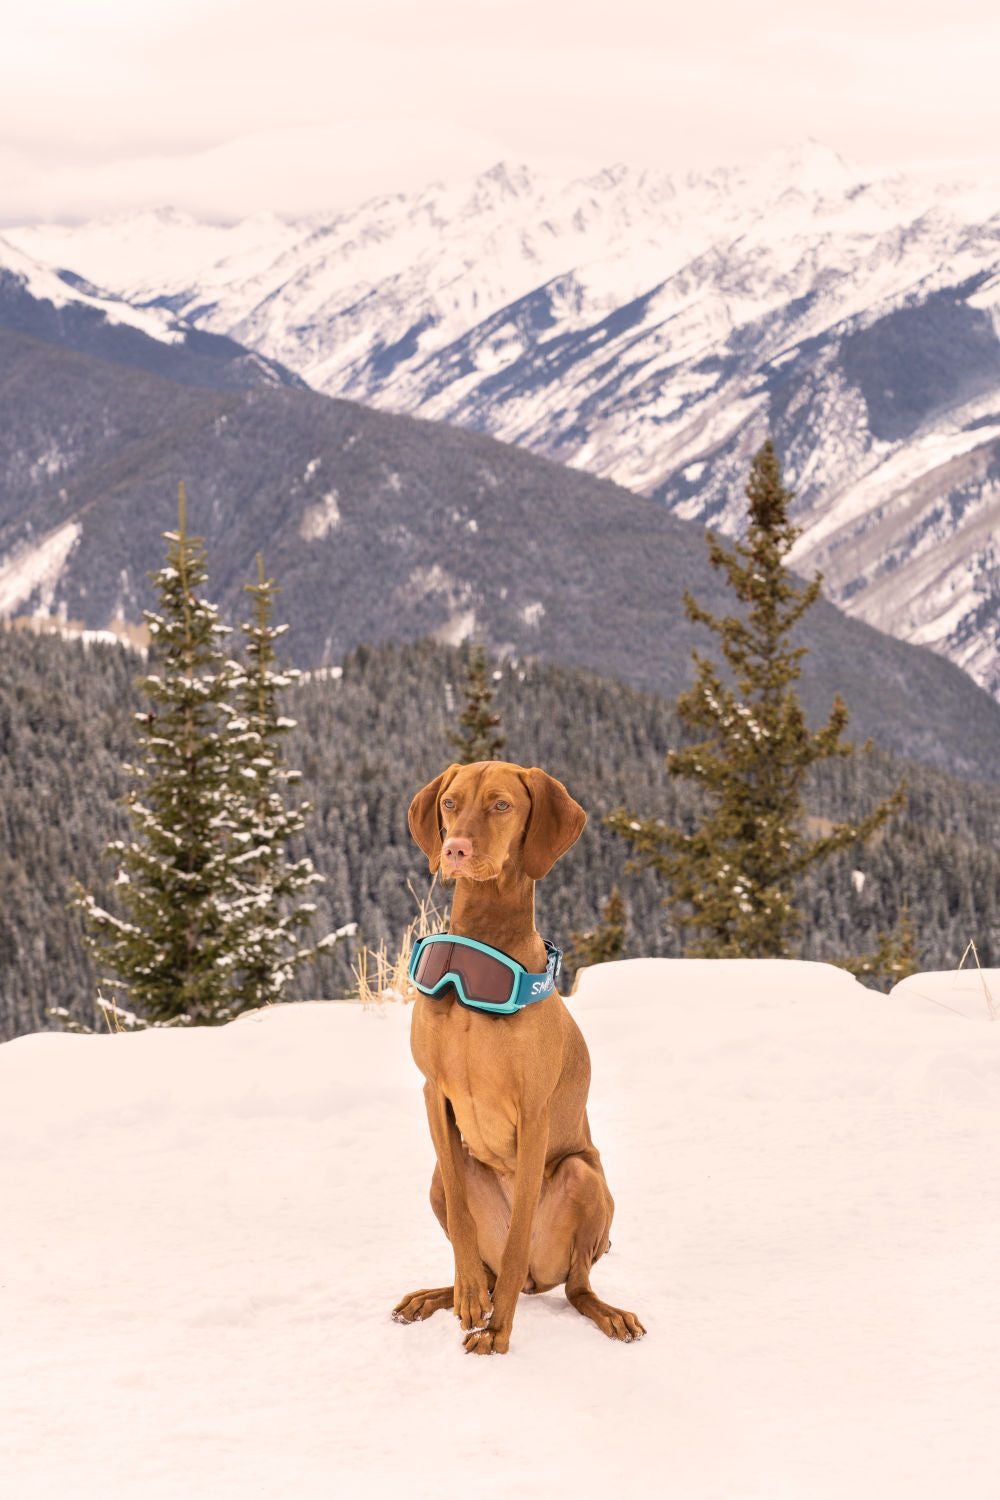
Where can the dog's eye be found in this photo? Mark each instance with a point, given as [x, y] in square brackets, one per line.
[449, 803]
[501, 806]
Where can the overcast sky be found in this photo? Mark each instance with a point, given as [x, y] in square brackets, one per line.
[230, 106]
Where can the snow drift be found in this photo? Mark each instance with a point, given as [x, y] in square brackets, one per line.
[204, 1233]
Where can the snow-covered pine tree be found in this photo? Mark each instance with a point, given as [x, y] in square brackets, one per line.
[268, 918]
[733, 877]
[478, 737]
[603, 943]
[175, 949]
[894, 959]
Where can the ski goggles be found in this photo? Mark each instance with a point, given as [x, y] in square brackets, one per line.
[484, 978]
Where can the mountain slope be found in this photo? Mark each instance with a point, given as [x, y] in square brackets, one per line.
[63, 308]
[381, 526]
[653, 330]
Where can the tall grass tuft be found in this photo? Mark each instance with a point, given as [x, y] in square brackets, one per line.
[381, 975]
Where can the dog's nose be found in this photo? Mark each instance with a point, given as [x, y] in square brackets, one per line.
[456, 849]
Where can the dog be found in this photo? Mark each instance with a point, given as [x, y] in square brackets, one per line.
[518, 1187]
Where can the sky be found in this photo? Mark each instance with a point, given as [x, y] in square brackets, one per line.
[231, 107]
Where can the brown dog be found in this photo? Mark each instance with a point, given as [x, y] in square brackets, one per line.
[518, 1187]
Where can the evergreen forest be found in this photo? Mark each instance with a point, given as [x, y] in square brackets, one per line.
[369, 735]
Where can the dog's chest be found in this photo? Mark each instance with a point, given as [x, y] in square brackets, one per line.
[463, 1055]
[483, 1112]
[489, 1134]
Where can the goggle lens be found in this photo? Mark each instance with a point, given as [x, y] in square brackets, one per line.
[483, 977]
[433, 963]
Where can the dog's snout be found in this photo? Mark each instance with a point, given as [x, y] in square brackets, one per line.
[457, 850]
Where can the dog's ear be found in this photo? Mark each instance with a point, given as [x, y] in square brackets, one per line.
[554, 824]
[425, 817]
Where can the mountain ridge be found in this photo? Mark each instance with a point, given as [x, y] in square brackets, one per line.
[382, 526]
[652, 329]
[64, 308]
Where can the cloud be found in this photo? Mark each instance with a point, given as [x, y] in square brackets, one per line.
[308, 169]
[202, 102]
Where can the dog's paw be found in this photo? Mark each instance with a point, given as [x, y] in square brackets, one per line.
[618, 1324]
[473, 1306]
[487, 1341]
[419, 1305]
[614, 1322]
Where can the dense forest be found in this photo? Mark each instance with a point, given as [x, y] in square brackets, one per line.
[369, 735]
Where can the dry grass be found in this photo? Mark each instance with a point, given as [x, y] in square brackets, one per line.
[116, 1018]
[109, 1011]
[381, 975]
[991, 1005]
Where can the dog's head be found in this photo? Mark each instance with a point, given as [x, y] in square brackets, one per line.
[476, 820]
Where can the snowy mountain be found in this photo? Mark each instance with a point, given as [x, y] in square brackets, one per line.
[64, 308]
[382, 527]
[652, 329]
[209, 1228]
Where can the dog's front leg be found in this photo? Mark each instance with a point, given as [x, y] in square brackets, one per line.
[472, 1294]
[532, 1150]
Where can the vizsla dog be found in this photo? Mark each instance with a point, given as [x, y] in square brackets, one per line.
[518, 1187]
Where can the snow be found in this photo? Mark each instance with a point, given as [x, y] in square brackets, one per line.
[315, 292]
[319, 519]
[204, 1232]
[141, 251]
[459, 626]
[43, 282]
[36, 567]
[757, 260]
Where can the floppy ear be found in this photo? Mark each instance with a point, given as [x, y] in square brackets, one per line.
[425, 818]
[554, 824]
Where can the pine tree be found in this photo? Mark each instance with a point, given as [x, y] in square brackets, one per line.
[176, 948]
[267, 918]
[478, 737]
[732, 878]
[605, 942]
[894, 959]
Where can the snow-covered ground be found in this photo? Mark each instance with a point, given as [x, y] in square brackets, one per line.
[202, 1234]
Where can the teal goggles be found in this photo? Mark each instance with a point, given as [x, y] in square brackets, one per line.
[484, 978]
